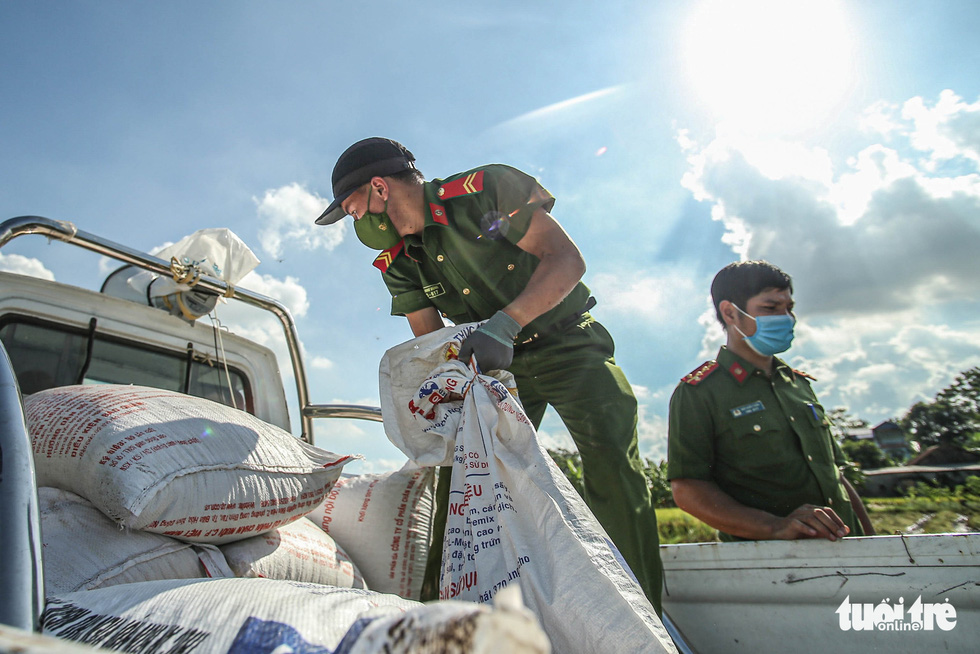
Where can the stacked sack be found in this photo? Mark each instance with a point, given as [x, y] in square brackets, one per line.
[222, 615]
[140, 483]
[175, 465]
[158, 491]
[385, 521]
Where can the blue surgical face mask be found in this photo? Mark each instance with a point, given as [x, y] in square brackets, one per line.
[773, 334]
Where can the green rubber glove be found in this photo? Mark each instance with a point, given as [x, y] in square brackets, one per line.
[492, 344]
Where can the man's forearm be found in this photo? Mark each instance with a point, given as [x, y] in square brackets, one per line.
[716, 508]
[425, 321]
[551, 282]
[707, 502]
[560, 268]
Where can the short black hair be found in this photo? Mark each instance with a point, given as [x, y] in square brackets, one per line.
[410, 176]
[740, 281]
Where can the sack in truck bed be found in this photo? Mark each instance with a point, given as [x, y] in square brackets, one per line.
[263, 615]
[173, 464]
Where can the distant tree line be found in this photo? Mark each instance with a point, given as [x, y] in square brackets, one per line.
[951, 418]
[570, 463]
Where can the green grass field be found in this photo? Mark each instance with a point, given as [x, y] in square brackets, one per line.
[890, 515]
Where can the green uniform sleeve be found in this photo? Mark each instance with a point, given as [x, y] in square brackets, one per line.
[405, 286]
[690, 436]
[840, 459]
[517, 196]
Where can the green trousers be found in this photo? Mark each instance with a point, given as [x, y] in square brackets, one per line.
[575, 372]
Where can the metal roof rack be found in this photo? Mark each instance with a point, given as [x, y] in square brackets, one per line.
[67, 232]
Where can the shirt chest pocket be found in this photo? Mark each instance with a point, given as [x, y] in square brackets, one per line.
[471, 267]
[759, 441]
[446, 300]
[503, 269]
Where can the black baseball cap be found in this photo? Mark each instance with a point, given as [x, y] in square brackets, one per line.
[373, 157]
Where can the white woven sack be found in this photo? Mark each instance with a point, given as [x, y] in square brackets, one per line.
[299, 551]
[173, 464]
[515, 520]
[384, 522]
[84, 549]
[265, 615]
[449, 626]
[402, 370]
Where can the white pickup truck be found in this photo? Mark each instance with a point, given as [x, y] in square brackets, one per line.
[718, 597]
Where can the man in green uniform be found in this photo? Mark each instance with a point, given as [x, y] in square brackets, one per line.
[481, 245]
[750, 450]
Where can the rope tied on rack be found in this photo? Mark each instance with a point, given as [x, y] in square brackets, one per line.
[183, 273]
[190, 274]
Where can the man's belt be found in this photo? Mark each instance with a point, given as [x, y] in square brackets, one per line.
[559, 326]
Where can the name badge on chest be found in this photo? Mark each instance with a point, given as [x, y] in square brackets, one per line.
[434, 290]
[746, 409]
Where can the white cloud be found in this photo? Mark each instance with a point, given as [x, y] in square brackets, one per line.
[652, 433]
[948, 129]
[16, 263]
[882, 249]
[641, 392]
[714, 335]
[287, 214]
[348, 436]
[649, 297]
[886, 235]
[881, 365]
[873, 168]
[321, 363]
[880, 117]
[288, 291]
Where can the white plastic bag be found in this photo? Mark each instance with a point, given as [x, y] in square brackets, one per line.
[216, 252]
[513, 517]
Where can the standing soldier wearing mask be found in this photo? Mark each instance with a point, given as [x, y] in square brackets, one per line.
[750, 450]
[481, 245]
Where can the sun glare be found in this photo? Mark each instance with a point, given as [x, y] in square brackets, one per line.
[769, 65]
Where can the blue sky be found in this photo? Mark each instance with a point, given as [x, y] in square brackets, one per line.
[840, 140]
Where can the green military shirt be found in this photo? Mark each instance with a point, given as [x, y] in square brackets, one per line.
[465, 262]
[765, 441]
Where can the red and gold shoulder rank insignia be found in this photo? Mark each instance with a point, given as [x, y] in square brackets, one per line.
[465, 185]
[383, 260]
[804, 374]
[695, 377]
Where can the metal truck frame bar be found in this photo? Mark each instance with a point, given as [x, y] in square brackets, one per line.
[67, 232]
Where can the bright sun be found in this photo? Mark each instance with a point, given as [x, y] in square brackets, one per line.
[773, 65]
